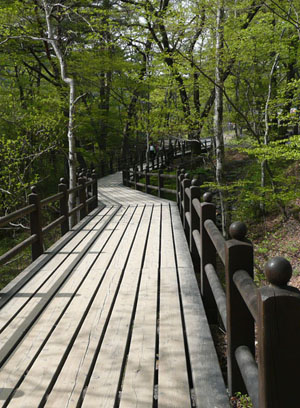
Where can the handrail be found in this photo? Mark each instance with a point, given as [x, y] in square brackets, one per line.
[75, 189]
[53, 224]
[216, 237]
[248, 290]
[249, 371]
[147, 186]
[163, 159]
[88, 201]
[16, 214]
[274, 308]
[17, 249]
[218, 291]
[51, 199]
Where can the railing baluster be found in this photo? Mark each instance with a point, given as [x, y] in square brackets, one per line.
[181, 177]
[160, 183]
[63, 205]
[147, 180]
[186, 183]
[82, 197]
[195, 225]
[278, 338]
[240, 323]
[208, 256]
[95, 188]
[36, 224]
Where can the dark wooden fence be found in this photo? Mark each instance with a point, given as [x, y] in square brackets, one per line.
[272, 378]
[133, 172]
[132, 177]
[87, 200]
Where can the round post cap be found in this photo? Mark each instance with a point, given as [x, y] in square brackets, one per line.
[278, 271]
[238, 230]
[207, 197]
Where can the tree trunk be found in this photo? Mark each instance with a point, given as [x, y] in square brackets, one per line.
[218, 114]
[70, 82]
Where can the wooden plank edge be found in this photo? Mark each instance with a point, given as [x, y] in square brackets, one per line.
[23, 277]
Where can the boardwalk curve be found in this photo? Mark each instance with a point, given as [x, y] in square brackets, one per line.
[114, 319]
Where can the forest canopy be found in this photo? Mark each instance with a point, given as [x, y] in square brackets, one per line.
[83, 80]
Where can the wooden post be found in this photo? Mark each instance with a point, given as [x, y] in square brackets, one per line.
[240, 323]
[36, 224]
[160, 183]
[278, 338]
[178, 188]
[95, 188]
[82, 197]
[147, 180]
[181, 177]
[89, 191]
[207, 256]
[195, 224]
[186, 183]
[135, 176]
[125, 176]
[157, 160]
[63, 206]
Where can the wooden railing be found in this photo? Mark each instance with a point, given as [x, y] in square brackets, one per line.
[87, 200]
[136, 168]
[132, 177]
[274, 309]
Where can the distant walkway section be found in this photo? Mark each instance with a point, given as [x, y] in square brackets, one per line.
[112, 192]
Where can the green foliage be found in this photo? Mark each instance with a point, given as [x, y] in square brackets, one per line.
[244, 401]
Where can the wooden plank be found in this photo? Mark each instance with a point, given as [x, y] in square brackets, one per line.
[37, 283]
[37, 335]
[102, 389]
[138, 383]
[183, 256]
[28, 314]
[16, 284]
[112, 191]
[72, 378]
[39, 376]
[173, 383]
[209, 388]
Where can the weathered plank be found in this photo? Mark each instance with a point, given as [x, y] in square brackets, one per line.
[26, 316]
[208, 383]
[138, 382]
[7, 293]
[103, 387]
[96, 323]
[37, 283]
[112, 192]
[71, 380]
[173, 383]
[27, 350]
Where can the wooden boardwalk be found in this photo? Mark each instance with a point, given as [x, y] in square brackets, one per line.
[110, 316]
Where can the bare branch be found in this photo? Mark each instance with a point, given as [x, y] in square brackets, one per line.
[79, 97]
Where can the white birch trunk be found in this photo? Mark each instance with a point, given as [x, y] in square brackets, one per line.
[266, 135]
[70, 82]
[218, 112]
